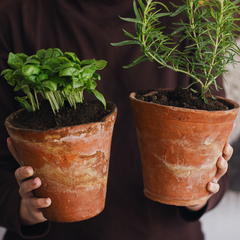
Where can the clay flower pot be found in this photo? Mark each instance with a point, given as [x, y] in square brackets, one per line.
[72, 163]
[179, 149]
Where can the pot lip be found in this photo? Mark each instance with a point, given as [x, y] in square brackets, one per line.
[233, 103]
[8, 124]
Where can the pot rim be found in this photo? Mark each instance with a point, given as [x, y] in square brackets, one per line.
[7, 122]
[234, 104]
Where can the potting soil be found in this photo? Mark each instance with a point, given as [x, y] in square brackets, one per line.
[44, 119]
[183, 98]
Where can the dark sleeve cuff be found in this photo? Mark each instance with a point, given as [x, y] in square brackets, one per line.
[191, 216]
[35, 231]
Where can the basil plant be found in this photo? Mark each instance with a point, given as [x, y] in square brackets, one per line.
[57, 76]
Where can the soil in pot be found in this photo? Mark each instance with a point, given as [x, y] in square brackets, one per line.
[44, 119]
[183, 98]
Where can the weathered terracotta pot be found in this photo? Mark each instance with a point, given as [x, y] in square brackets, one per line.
[179, 149]
[72, 163]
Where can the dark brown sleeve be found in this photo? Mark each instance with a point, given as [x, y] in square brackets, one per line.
[9, 189]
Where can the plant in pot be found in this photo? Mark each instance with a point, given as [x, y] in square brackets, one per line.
[180, 142]
[70, 157]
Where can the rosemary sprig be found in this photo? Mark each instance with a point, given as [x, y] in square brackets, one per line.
[211, 30]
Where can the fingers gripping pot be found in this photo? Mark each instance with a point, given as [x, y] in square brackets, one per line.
[72, 163]
[179, 149]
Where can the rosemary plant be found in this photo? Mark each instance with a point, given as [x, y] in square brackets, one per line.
[211, 30]
[56, 76]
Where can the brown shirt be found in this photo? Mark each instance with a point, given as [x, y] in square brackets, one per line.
[87, 27]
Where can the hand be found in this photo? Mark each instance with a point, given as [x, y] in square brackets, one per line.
[30, 206]
[222, 164]
[213, 187]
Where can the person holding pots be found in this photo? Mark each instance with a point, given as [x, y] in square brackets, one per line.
[88, 28]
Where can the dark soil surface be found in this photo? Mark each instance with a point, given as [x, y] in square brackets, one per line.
[44, 119]
[183, 98]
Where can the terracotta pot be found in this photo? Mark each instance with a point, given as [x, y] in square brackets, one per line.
[179, 149]
[72, 163]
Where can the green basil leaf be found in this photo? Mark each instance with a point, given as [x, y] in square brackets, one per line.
[60, 80]
[46, 67]
[33, 62]
[18, 87]
[77, 61]
[77, 66]
[100, 97]
[11, 81]
[69, 72]
[32, 79]
[77, 83]
[8, 76]
[14, 61]
[18, 72]
[28, 70]
[100, 64]
[41, 54]
[42, 76]
[6, 71]
[87, 62]
[90, 85]
[35, 57]
[23, 83]
[39, 88]
[24, 103]
[66, 65]
[52, 62]
[52, 86]
[67, 87]
[48, 53]
[87, 74]
[70, 55]
[57, 52]
[86, 67]
[63, 60]
[96, 76]
[22, 56]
